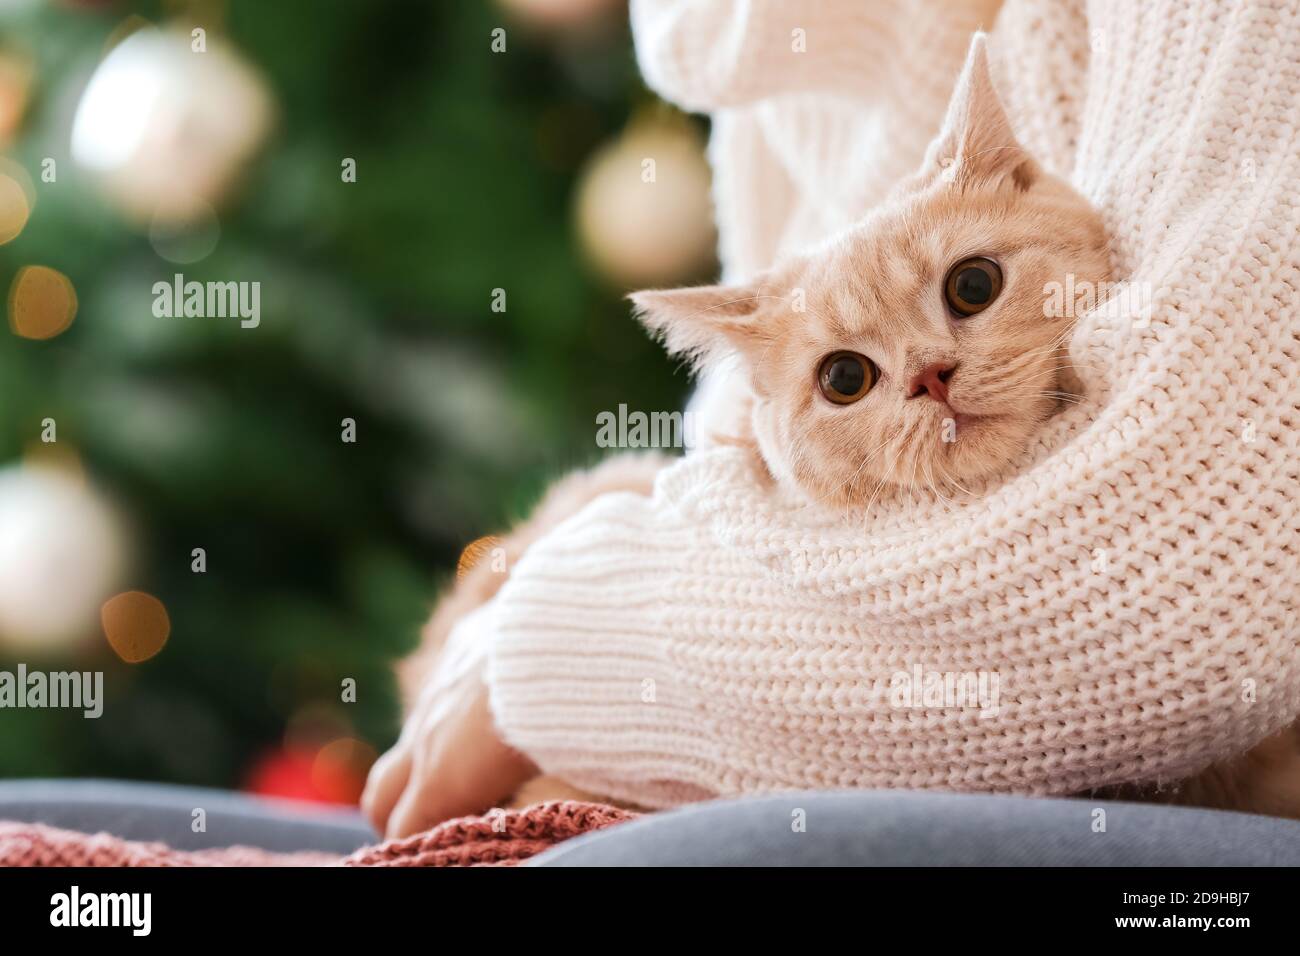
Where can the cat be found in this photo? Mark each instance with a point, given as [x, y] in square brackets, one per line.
[913, 350]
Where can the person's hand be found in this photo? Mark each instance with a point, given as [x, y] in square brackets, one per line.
[450, 761]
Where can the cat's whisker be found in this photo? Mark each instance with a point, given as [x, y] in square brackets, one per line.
[1035, 356]
[1057, 347]
[1060, 340]
[849, 483]
[953, 481]
[893, 454]
[934, 488]
[1053, 352]
[909, 438]
[872, 500]
[1063, 397]
[844, 486]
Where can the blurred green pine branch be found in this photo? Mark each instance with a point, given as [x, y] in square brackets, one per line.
[323, 558]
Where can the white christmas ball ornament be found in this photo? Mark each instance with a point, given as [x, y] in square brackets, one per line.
[167, 121]
[561, 13]
[61, 554]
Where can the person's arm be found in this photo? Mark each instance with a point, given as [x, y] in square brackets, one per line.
[712, 641]
[713, 54]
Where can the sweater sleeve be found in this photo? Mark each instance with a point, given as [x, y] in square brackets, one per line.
[714, 54]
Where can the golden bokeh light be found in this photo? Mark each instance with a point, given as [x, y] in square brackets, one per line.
[42, 302]
[14, 208]
[340, 767]
[475, 552]
[16, 71]
[312, 724]
[136, 625]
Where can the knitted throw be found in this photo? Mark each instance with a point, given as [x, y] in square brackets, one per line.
[1132, 581]
[502, 840]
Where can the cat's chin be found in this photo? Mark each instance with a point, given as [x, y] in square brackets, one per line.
[984, 445]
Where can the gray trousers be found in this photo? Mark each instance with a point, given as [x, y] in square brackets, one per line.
[870, 828]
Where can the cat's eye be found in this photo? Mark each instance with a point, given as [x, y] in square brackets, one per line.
[844, 377]
[972, 285]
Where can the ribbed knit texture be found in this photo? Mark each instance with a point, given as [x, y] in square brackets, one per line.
[1132, 580]
[502, 840]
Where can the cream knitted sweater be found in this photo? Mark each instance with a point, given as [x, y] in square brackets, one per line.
[1129, 588]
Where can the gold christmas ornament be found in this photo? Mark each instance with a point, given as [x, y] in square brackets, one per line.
[644, 214]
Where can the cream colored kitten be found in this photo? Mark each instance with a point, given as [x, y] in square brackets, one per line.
[914, 350]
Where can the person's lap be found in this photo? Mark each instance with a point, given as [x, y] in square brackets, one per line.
[911, 828]
[884, 828]
[167, 813]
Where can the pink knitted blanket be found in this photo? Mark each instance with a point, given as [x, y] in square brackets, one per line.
[498, 839]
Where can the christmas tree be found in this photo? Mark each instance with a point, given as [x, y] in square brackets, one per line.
[397, 182]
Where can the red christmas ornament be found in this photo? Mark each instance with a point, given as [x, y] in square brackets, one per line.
[334, 773]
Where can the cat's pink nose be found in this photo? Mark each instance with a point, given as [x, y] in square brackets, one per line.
[933, 381]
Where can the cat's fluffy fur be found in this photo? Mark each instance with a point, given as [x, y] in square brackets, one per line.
[877, 290]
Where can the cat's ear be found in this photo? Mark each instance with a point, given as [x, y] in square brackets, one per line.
[704, 322]
[976, 145]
